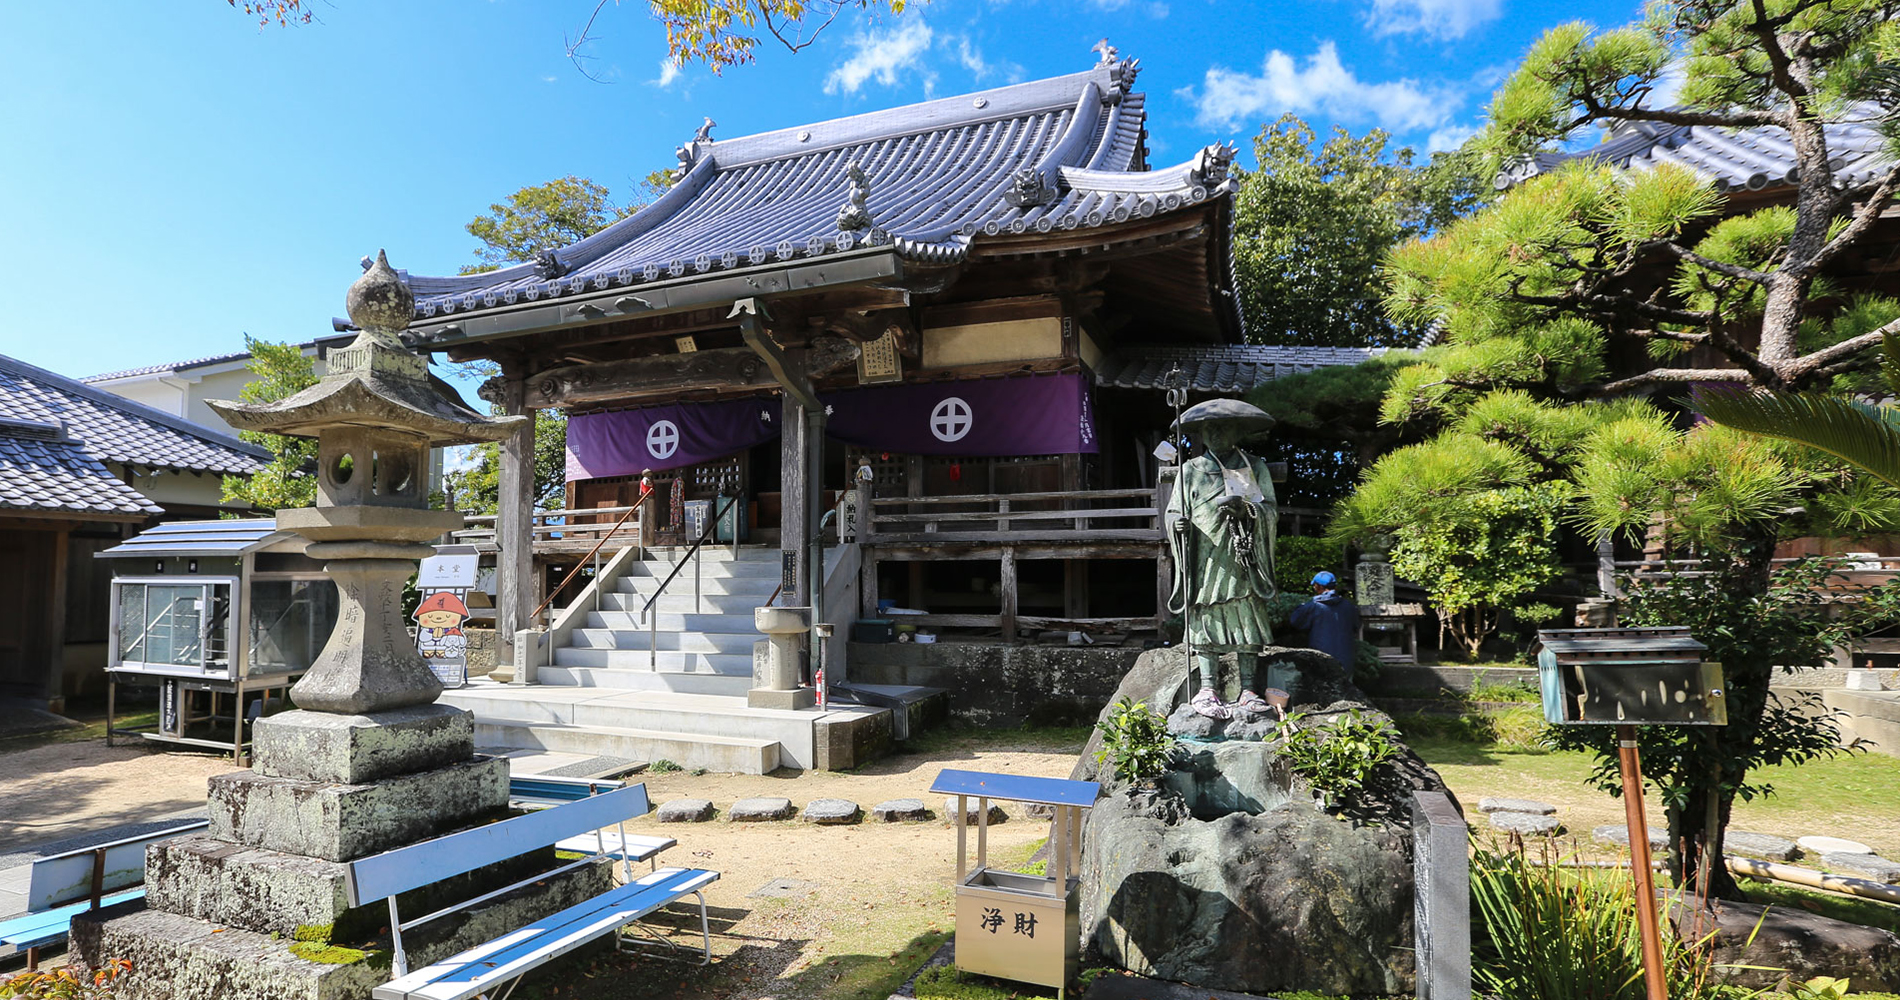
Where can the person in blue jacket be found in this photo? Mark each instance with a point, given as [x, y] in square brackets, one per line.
[1331, 621]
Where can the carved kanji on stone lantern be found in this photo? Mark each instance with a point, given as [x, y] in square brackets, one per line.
[375, 416]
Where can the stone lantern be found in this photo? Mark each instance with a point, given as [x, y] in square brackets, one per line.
[375, 416]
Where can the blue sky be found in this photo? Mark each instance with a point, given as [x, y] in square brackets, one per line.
[176, 177]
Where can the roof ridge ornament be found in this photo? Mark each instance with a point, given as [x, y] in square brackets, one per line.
[549, 265]
[1211, 164]
[855, 213]
[705, 132]
[1028, 188]
[1108, 52]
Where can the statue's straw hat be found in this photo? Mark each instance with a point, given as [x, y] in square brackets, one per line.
[1245, 416]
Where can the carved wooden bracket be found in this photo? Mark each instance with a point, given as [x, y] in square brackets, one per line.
[720, 368]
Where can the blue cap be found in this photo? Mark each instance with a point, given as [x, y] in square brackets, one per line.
[1323, 579]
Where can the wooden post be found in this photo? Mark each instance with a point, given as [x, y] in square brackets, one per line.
[1075, 588]
[56, 622]
[514, 524]
[1646, 922]
[794, 521]
[1009, 593]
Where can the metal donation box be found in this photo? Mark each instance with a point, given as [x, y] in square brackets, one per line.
[208, 611]
[1013, 925]
[1628, 676]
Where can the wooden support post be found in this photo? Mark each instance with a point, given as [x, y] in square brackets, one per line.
[1009, 594]
[56, 623]
[515, 586]
[794, 520]
[1075, 588]
[1646, 922]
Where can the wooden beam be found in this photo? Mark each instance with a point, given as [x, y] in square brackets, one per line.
[515, 586]
[1009, 595]
[722, 368]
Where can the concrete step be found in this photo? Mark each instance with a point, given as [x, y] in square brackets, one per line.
[735, 664]
[760, 587]
[729, 754]
[711, 553]
[673, 621]
[662, 711]
[709, 569]
[629, 679]
[685, 642]
[717, 604]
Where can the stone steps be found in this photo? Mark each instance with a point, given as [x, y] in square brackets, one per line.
[729, 754]
[668, 660]
[677, 640]
[683, 682]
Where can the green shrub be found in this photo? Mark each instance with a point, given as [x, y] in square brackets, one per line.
[1135, 742]
[663, 766]
[1556, 933]
[1297, 557]
[1337, 758]
[944, 982]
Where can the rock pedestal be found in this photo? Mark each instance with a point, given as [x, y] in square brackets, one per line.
[775, 659]
[1227, 874]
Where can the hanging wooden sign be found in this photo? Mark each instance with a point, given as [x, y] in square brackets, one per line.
[878, 360]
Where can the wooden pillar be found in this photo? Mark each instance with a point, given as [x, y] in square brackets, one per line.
[794, 519]
[515, 586]
[1009, 594]
[1075, 588]
[56, 621]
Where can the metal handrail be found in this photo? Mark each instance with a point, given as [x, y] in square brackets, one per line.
[704, 533]
[646, 490]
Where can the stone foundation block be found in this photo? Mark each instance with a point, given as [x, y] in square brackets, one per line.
[353, 749]
[230, 884]
[841, 742]
[344, 822]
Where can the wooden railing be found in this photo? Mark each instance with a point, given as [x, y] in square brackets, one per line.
[1079, 517]
[555, 531]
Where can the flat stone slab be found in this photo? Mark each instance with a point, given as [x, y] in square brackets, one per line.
[1765, 846]
[1039, 810]
[997, 815]
[900, 811]
[1528, 824]
[1531, 806]
[784, 888]
[1833, 845]
[1870, 866]
[345, 822]
[685, 811]
[353, 749]
[1619, 835]
[832, 812]
[760, 810]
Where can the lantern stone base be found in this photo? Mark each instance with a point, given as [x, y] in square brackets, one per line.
[337, 822]
[180, 957]
[352, 749]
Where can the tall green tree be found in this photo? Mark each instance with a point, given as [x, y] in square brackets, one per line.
[1315, 219]
[1543, 295]
[282, 370]
[476, 488]
[547, 217]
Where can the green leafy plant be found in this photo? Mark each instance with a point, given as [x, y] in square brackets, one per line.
[1820, 988]
[1297, 557]
[1336, 759]
[663, 766]
[1551, 932]
[66, 983]
[1135, 742]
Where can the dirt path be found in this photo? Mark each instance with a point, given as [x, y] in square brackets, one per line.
[59, 790]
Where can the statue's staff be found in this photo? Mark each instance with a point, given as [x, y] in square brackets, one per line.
[1184, 547]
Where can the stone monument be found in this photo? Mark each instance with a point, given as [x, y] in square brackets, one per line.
[367, 762]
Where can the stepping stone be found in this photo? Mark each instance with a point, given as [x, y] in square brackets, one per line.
[1871, 866]
[1529, 824]
[685, 811]
[997, 815]
[832, 812]
[1618, 834]
[760, 810]
[1532, 806]
[1833, 845]
[1765, 846]
[1039, 810]
[900, 811]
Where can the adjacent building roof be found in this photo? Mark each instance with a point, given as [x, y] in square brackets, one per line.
[1751, 159]
[56, 434]
[232, 537]
[924, 181]
[177, 367]
[1219, 367]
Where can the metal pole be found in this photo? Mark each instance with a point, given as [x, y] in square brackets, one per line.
[696, 609]
[1646, 923]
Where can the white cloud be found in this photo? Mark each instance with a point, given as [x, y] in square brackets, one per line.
[881, 56]
[980, 68]
[669, 72]
[1440, 19]
[1231, 98]
[1449, 138]
[1154, 10]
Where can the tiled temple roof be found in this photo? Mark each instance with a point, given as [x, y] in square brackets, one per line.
[175, 366]
[1220, 367]
[1058, 154]
[56, 434]
[1751, 159]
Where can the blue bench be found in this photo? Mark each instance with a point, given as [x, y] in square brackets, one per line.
[500, 963]
[60, 886]
[541, 791]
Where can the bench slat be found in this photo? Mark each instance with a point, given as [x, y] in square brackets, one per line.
[393, 872]
[67, 877]
[37, 930]
[476, 970]
[633, 849]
